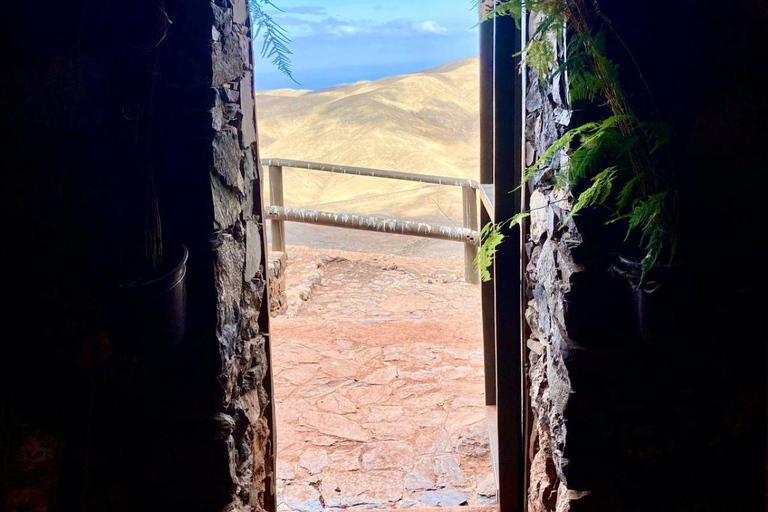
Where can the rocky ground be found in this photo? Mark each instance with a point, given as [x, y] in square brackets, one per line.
[379, 385]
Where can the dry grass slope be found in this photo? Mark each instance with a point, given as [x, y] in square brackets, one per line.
[424, 122]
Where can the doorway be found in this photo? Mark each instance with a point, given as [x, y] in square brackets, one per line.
[378, 359]
[316, 278]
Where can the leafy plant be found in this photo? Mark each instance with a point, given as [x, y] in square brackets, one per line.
[492, 236]
[618, 154]
[276, 42]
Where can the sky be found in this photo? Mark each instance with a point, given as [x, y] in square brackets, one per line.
[343, 41]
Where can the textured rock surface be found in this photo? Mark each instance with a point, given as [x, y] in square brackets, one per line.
[631, 398]
[278, 299]
[141, 88]
[239, 257]
[548, 274]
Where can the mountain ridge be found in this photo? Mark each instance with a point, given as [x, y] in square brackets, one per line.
[425, 122]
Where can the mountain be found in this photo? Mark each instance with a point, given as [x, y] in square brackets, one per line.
[426, 122]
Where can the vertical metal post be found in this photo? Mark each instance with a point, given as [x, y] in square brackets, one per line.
[487, 34]
[488, 303]
[487, 134]
[508, 171]
[276, 199]
[488, 288]
[469, 208]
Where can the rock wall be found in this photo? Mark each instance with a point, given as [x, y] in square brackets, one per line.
[637, 403]
[548, 274]
[240, 263]
[278, 299]
[87, 420]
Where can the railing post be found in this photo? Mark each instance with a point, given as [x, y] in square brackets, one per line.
[276, 199]
[469, 203]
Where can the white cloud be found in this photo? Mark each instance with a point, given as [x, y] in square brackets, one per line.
[430, 27]
[343, 30]
[299, 30]
[299, 27]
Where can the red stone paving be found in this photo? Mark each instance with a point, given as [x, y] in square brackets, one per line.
[379, 385]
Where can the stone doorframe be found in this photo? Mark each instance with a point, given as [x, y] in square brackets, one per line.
[245, 416]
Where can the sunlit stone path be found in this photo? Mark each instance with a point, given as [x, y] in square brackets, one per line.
[379, 385]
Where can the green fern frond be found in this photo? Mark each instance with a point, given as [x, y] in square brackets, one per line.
[646, 211]
[596, 144]
[275, 39]
[554, 14]
[591, 136]
[491, 237]
[512, 8]
[655, 242]
[563, 143]
[584, 85]
[540, 56]
[516, 219]
[618, 150]
[597, 193]
[625, 195]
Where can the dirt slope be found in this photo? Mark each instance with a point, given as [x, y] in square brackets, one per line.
[424, 122]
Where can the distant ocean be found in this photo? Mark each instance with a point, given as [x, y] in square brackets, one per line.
[267, 77]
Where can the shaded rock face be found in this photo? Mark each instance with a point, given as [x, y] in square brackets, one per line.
[665, 419]
[182, 428]
[239, 261]
[548, 274]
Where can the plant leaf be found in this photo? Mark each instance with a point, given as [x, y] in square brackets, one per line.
[275, 39]
[491, 237]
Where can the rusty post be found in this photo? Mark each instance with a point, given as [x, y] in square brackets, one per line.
[276, 199]
[469, 208]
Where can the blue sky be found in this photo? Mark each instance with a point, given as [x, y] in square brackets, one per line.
[342, 41]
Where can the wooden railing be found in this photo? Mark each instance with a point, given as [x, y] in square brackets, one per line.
[468, 234]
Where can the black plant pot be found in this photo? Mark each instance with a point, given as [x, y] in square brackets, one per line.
[151, 313]
[648, 298]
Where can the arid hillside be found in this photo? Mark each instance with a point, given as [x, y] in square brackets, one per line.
[424, 122]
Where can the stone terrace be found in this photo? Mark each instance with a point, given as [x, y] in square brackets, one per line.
[379, 385]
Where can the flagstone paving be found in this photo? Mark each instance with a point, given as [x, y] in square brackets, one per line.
[379, 385]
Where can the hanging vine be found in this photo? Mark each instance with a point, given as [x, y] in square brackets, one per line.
[618, 155]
